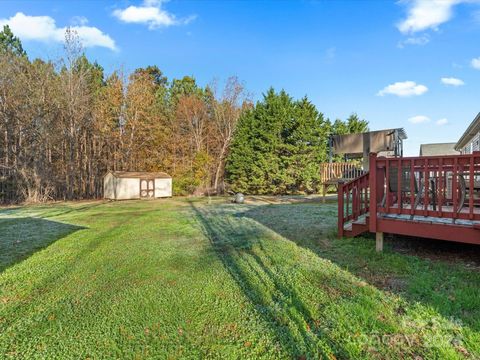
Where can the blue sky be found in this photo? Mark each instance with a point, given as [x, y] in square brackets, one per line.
[383, 60]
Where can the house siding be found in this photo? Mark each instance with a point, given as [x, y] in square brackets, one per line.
[473, 145]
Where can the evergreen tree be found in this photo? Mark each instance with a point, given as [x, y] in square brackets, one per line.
[278, 147]
[93, 72]
[10, 43]
[184, 87]
[155, 73]
[355, 125]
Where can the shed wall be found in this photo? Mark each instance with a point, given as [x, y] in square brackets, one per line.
[163, 187]
[127, 188]
[109, 187]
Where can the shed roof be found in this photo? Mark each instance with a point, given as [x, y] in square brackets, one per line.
[140, 174]
[468, 135]
[438, 149]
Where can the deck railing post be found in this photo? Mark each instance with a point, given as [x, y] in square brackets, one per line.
[387, 181]
[412, 188]
[354, 201]
[373, 192]
[441, 186]
[455, 188]
[340, 209]
[426, 184]
[399, 186]
[471, 185]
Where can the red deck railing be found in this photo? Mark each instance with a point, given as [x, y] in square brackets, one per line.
[353, 200]
[436, 190]
[436, 186]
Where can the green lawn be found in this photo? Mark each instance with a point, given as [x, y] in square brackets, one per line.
[183, 278]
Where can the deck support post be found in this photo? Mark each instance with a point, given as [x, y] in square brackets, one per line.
[379, 241]
[324, 193]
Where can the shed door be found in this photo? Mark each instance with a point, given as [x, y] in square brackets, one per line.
[147, 188]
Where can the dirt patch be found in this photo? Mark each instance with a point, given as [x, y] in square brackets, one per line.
[387, 282]
[437, 250]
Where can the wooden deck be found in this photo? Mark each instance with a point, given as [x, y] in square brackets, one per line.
[464, 231]
[443, 189]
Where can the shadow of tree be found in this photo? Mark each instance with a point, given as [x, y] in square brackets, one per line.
[72, 208]
[23, 236]
[404, 268]
[240, 248]
[49, 211]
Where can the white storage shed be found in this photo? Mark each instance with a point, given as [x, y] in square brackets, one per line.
[123, 185]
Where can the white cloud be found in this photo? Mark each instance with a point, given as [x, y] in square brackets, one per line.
[43, 28]
[476, 15]
[422, 119]
[79, 20]
[419, 119]
[403, 89]
[151, 14]
[476, 63]
[419, 40]
[330, 54]
[427, 14]
[452, 81]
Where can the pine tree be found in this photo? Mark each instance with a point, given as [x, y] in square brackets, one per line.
[10, 43]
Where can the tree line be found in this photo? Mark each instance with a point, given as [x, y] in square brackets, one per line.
[65, 123]
[280, 144]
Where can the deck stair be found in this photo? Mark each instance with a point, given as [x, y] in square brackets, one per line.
[356, 227]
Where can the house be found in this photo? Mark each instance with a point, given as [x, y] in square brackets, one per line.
[438, 149]
[124, 185]
[470, 140]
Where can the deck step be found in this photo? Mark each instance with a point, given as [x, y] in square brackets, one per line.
[356, 227]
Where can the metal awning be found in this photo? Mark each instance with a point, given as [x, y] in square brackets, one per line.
[356, 145]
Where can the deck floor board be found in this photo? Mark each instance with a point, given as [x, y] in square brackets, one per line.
[418, 219]
[444, 208]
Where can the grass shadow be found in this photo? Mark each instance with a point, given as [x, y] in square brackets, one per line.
[242, 253]
[21, 237]
[67, 209]
[10, 210]
[416, 272]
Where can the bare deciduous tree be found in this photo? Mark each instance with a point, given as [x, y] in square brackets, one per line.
[226, 111]
[64, 124]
